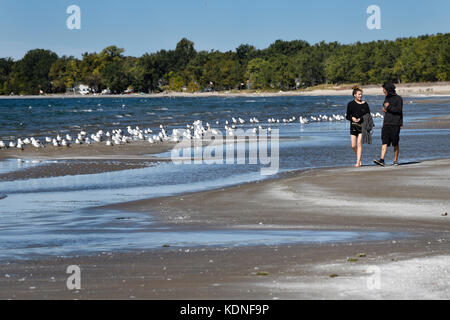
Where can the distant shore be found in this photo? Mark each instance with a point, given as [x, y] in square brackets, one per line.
[409, 89]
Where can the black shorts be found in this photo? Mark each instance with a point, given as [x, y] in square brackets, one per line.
[390, 135]
[355, 129]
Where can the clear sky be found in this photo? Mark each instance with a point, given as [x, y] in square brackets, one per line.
[141, 26]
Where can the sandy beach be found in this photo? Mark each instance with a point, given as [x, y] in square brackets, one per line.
[410, 200]
[407, 90]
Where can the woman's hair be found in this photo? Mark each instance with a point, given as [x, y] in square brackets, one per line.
[356, 89]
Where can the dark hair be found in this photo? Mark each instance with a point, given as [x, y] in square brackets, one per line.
[390, 88]
[356, 89]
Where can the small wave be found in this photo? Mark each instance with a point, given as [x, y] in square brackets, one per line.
[119, 116]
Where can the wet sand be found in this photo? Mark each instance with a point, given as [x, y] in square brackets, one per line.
[431, 123]
[83, 159]
[137, 149]
[411, 198]
[76, 167]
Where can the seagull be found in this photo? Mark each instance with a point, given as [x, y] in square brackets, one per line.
[303, 120]
[36, 143]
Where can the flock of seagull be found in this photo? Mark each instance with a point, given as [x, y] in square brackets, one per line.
[194, 131]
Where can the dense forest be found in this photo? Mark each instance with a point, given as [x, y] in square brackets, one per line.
[284, 65]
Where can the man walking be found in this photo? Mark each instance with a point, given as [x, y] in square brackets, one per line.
[393, 121]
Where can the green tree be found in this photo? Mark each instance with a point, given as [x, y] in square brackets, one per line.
[257, 73]
[223, 70]
[184, 53]
[443, 59]
[90, 68]
[6, 68]
[176, 81]
[287, 48]
[31, 72]
[115, 77]
[64, 74]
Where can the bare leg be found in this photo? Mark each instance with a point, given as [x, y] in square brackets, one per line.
[383, 151]
[396, 152]
[359, 151]
[354, 144]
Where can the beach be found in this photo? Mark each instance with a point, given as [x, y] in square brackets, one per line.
[407, 90]
[411, 200]
[141, 227]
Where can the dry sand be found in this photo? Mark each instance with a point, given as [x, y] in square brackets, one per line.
[411, 89]
[410, 198]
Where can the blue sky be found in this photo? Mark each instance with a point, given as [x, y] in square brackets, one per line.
[141, 26]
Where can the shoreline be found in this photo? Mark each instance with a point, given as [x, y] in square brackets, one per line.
[409, 198]
[407, 90]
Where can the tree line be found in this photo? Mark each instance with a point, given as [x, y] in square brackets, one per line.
[284, 65]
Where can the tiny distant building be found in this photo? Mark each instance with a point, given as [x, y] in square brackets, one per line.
[81, 89]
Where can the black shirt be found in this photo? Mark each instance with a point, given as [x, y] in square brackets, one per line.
[394, 113]
[357, 110]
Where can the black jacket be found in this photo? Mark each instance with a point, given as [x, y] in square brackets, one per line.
[367, 128]
[394, 113]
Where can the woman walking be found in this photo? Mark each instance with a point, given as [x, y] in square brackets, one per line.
[356, 109]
